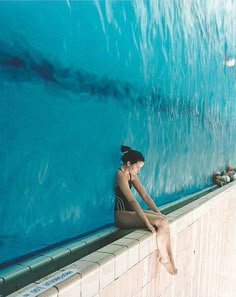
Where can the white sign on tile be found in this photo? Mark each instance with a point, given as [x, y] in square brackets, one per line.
[44, 286]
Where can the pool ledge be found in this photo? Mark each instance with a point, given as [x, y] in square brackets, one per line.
[129, 266]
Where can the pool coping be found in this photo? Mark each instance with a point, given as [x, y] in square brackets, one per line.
[58, 258]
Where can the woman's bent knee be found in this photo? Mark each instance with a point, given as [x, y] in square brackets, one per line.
[162, 222]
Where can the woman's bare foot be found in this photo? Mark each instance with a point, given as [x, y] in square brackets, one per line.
[168, 265]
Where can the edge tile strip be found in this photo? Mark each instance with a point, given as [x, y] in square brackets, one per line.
[118, 249]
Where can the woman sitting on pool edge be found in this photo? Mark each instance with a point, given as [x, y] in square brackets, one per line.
[129, 214]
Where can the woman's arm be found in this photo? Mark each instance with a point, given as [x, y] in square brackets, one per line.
[147, 199]
[123, 184]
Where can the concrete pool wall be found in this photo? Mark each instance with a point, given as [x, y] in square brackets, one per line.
[203, 240]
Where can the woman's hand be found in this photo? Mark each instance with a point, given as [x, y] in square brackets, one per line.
[150, 227]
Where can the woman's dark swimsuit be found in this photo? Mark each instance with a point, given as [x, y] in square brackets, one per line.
[121, 202]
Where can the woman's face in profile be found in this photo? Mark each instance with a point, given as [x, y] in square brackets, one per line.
[135, 168]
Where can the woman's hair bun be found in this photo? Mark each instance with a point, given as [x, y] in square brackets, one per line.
[128, 154]
[125, 149]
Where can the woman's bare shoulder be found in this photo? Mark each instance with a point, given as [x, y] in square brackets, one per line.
[119, 174]
[134, 178]
[121, 177]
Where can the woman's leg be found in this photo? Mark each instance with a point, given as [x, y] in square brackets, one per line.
[168, 241]
[130, 220]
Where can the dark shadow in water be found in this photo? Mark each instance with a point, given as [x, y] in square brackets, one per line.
[26, 64]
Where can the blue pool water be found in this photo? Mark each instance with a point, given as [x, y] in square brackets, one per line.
[78, 78]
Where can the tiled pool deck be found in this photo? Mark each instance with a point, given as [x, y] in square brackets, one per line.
[203, 246]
